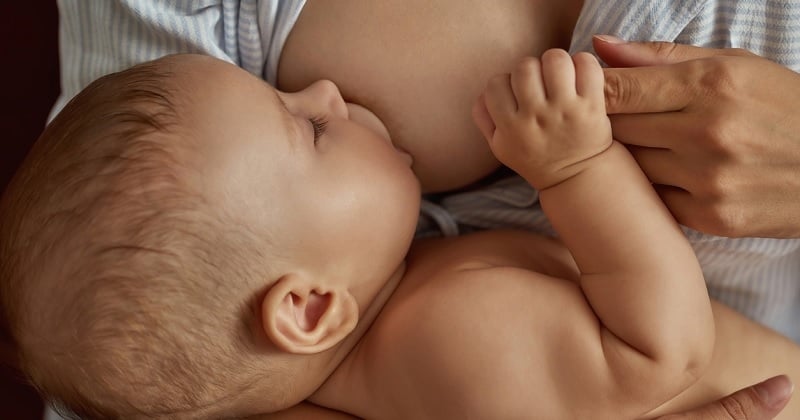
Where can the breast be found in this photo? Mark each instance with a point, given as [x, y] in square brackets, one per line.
[419, 65]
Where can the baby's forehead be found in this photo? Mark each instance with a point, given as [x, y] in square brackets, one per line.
[209, 79]
[203, 72]
[238, 128]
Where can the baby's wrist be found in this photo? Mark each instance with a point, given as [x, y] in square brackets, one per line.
[549, 176]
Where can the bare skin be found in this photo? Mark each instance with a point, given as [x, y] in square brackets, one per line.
[755, 352]
[762, 401]
[437, 56]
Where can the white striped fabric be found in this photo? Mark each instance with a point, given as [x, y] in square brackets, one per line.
[770, 28]
[98, 37]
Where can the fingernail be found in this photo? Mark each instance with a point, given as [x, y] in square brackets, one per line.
[611, 39]
[775, 391]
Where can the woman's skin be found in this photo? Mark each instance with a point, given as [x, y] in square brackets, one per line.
[420, 65]
[762, 401]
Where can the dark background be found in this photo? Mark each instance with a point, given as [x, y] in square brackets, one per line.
[30, 85]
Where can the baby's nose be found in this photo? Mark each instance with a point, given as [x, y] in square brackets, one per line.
[329, 97]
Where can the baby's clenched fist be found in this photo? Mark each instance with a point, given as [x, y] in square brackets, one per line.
[546, 120]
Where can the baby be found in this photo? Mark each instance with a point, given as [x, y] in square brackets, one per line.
[184, 241]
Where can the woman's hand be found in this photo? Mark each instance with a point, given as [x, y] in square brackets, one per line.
[759, 402]
[717, 131]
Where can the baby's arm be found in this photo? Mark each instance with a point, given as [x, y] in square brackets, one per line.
[638, 272]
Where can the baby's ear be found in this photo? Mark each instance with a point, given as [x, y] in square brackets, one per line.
[301, 317]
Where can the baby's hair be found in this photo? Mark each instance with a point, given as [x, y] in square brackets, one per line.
[126, 293]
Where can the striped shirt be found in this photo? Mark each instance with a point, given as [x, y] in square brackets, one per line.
[98, 37]
[758, 277]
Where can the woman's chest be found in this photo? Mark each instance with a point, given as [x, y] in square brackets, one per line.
[420, 65]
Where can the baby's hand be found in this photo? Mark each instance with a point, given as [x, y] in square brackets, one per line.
[547, 119]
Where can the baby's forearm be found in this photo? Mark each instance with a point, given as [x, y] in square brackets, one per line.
[638, 271]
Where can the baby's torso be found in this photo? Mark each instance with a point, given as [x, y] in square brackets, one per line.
[440, 338]
[485, 325]
[465, 334]
[498, 248]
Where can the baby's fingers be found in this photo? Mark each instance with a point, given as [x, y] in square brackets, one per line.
[558, 72]
[500, 101]
[482, 119]
[526, 81]
[589, 79]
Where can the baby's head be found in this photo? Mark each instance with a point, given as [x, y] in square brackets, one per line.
[185, 241]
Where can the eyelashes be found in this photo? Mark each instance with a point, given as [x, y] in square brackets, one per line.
[319, 124]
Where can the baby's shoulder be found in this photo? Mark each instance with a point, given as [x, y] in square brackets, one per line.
[479, 312]
[491, 249]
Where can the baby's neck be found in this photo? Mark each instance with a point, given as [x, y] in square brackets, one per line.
[347, 379]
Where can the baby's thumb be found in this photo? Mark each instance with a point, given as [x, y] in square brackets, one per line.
[483, 120]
